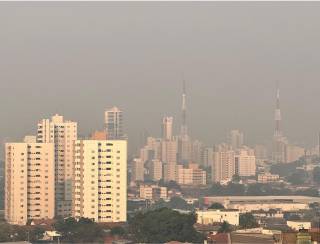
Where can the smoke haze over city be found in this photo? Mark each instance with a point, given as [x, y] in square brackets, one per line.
[79, 61]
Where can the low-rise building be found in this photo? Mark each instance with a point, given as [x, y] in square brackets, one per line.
[299, 224]
[192, 175]
[212, 216]
[268, 177]
[153, 192]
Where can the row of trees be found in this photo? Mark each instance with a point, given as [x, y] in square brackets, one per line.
[164, 225]
[258, 189]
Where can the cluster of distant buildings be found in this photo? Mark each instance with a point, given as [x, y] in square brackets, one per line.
[56, 173]
[189, 162]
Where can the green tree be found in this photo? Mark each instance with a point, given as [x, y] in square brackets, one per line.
[164, 225]
[216, 205]
[298, 177]
[225, 227]
[118, 231]
[236, 178]
[83, 230]
[247, 221]
[179, 203]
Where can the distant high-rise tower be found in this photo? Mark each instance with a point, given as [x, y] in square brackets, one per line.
[184, 145]
[277, 115]
[279, 141]
[167, 128]
[235, 138]
[114, 124]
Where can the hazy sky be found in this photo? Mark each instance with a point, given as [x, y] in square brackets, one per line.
[77, 59]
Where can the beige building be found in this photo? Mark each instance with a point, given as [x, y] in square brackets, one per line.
[212, 216]
[223, 167]
[137, 170]
[169, 171]
[152, 150]
[197, 152]
[245, 162]
[192, 175]
[267, 178]
[156, 170]
[153, 192]
[169, 149]
[100, 191]
[29, 182]
[63, 134]
[294, 153]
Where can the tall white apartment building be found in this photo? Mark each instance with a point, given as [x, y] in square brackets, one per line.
[29, 182]
[223, 167]
[167, 128]
[113, 120]
[245, 161]
[100, 191]
[63, 134]
[156, 170]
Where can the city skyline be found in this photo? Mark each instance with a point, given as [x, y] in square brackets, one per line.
[225, 91]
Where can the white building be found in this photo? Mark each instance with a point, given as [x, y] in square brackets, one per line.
[212, 216]
[153, 192]
[299, 224]
[100, 191]
[245, 162]
[63, 134]
[29, 182]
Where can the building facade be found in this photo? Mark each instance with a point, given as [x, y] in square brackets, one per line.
[29, 182]
[63, 134]
[100, 191]
[113, 119]
[245, 162]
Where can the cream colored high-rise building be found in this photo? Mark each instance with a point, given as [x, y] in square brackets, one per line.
[29, 182]
[223, 167]
[137, 170]
[169, 171]
[100, 189]
[169, 151]
[245, 162]
[167, 128]
[293, 153]
[63, 134]
[152, 150]
[156, 170]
